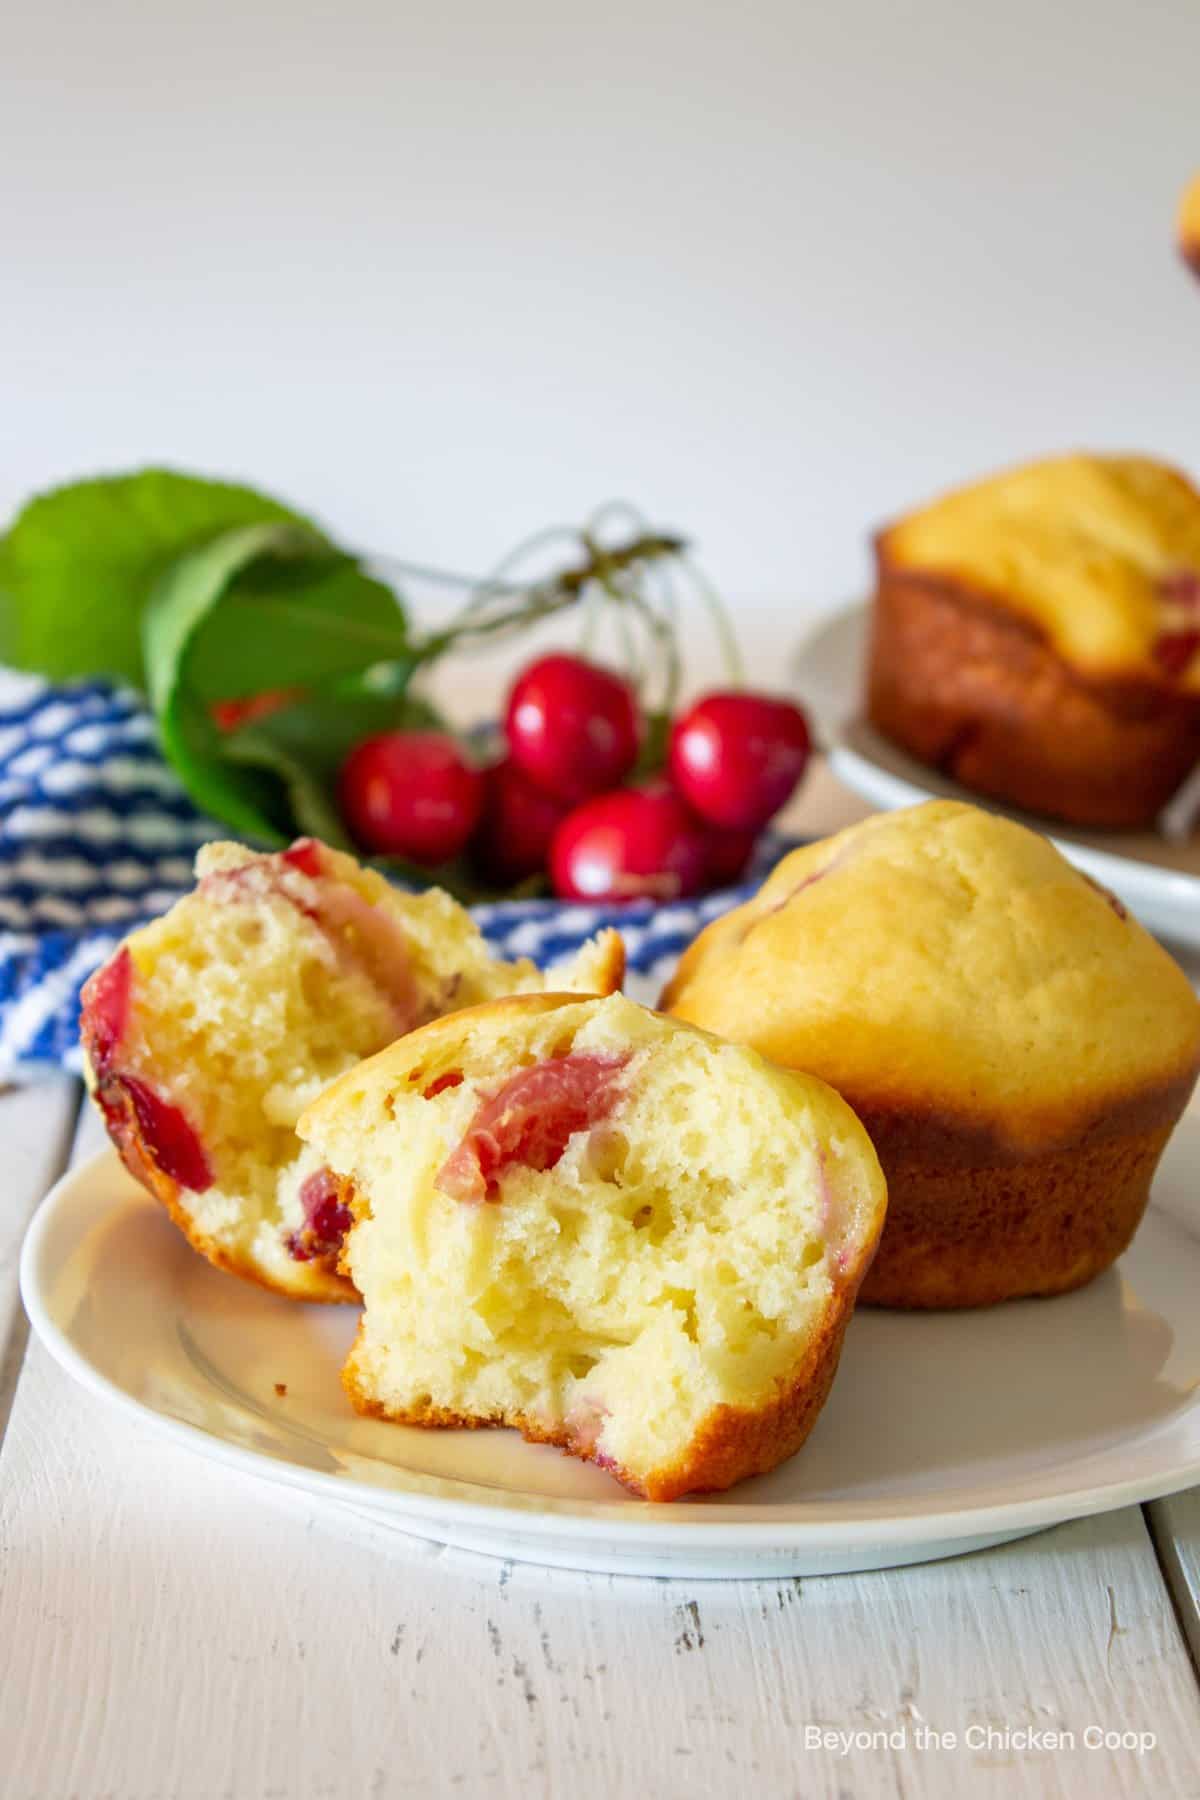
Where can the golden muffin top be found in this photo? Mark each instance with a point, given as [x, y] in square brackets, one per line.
[1101, 552]
[944, 960]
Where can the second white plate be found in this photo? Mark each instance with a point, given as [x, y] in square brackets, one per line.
[944, 1432]
[1158, 880]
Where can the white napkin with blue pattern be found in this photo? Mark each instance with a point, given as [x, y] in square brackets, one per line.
[97, 837]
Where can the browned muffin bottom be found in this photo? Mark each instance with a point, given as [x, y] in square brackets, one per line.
[978, 692]
[974, 1220]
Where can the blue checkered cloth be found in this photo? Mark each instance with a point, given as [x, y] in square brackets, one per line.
[97, 837]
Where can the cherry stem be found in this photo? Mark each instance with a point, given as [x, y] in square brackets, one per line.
[731, 653]
[632, 574]
[542, 601]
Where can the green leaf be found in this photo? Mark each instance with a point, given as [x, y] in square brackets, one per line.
[319, 731]
[293, 623]
[305, 744]
[207, 616]
[311, 810]
[247, 793]
[79, 563]
[247, 797]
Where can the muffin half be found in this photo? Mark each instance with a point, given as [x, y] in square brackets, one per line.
[209, 1031]
[1017, 1046]
[608, 1230]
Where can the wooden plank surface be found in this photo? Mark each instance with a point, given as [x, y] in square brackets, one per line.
[172, 1630]
[176, 1631]
[1175, 1525]
[36, 1127]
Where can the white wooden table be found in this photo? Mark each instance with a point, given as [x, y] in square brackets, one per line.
[168, 1629]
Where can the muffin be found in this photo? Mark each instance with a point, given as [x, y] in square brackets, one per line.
[1037, 637]
[1018, 1048]
[209, 1031]
[604, 1228]
[1188, 225]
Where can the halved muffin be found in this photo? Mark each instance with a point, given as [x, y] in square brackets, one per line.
[209, 1031]
[611, 1231]
[1018, 1047]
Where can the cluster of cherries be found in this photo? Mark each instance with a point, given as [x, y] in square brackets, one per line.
[556, 801]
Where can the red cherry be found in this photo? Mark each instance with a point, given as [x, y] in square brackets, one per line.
[572, 727]
[105, 1017]
[624, 845]
[736, 758]
[1174, 650]
[307, 855]
[518, 824]
[1179, 639]
[166, 1134]
[728, 853]
[326, 1220]
[412, 794]
[529, 1121]
[442, 1084]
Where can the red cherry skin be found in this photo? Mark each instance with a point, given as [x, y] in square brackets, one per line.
[1179, 639]
[326, 1221]
[165, 1132]
[736, 758]
[442, 1084]
[728, 853]
[518, 825]
[410, 794]
[307, 855]
[623, 846]
[106, 997]
[1174, 650]
[529, 1121]
[572, 727]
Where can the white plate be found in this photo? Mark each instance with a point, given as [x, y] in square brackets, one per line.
[944, 1432]
[1159, 880]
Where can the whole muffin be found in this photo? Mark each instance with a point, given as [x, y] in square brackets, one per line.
[1037, 637]
[1017, 1046]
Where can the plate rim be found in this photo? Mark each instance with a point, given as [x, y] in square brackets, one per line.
[1139, 881]
[627, 1525]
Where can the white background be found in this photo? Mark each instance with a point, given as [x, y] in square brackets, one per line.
[445, 273]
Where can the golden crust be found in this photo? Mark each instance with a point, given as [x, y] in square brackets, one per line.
[1086, 548]
[965, 1228]
[608, 972]
[942, 962]
[733, 1443]
[121, 1122]
[979, 692]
